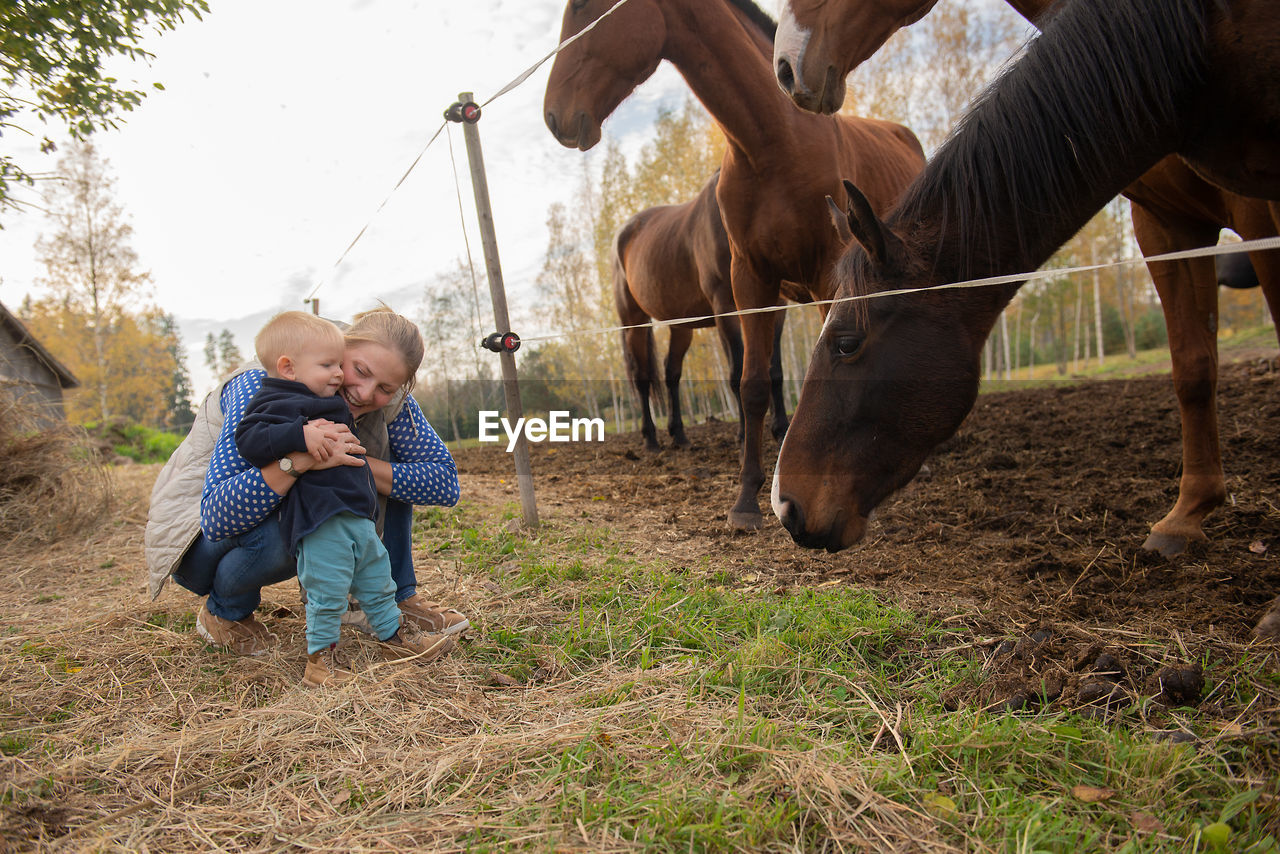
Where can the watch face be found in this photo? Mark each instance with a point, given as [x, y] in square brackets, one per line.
[286, 464]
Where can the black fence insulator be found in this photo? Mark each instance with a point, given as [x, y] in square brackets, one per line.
[460, 111]
[501, 342]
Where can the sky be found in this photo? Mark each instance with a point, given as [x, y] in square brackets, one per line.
[282, 132]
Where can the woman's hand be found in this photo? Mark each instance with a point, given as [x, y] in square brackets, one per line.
[343, 452]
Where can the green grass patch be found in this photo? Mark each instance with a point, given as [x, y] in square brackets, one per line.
[722, 693]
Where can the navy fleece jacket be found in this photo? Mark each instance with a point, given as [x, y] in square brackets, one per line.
[272, 427]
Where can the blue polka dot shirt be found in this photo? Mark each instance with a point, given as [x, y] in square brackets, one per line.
[236, 498]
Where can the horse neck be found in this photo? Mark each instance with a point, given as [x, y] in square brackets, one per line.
[728, 65]
[1031, 9]
[1093, 104]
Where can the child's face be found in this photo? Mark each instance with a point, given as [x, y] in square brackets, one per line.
[319, 368]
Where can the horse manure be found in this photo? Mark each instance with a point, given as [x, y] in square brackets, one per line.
[1108, 666]
[1005, 648]
[1177, 684]
[1102, 695]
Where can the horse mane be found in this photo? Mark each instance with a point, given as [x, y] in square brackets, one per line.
[757, 16]
[1099, 90]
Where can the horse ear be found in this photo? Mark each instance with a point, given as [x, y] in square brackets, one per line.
[840, 220]
[866, 227]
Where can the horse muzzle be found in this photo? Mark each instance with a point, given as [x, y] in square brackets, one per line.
[844, 530]
[581, 133]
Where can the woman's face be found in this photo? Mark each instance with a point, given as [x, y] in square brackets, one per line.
[371, 373]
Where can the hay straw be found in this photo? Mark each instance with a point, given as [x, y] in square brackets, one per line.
[52, 486]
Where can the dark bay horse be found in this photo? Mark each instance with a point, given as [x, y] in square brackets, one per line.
[1105, 92]
[670, 262]
[779, 165]
[820, 41]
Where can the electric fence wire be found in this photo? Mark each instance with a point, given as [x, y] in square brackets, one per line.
[518, 81]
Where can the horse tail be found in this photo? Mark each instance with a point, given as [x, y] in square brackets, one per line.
[628, 308]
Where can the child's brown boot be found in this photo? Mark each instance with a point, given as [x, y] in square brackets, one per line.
[408, 642]
[326, 669]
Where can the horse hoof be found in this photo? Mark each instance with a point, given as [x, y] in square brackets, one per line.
[1166, 544]
[1268, 627]
[740, 521]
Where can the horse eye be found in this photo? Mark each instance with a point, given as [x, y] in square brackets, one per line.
[578, 4]
[848, 345]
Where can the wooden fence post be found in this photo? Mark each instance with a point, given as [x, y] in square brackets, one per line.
[467, 113]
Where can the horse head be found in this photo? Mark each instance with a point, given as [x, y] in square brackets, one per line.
[890, 378]
[592, 76]
[820, 41]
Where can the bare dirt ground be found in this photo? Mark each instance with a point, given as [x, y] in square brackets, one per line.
[1027, 530]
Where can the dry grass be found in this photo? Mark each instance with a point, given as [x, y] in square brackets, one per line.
[120, 730]
[43, 469]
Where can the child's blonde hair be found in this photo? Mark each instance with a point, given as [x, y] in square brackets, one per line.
[291, 332]
[397, 333]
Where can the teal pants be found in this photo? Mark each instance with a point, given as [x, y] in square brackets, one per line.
[344, 555]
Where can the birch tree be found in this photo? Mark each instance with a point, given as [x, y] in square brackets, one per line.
[89, 265]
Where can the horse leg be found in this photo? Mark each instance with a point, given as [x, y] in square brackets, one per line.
[1256, 225]
[731, 340]
[1267, 266]
[677, 347]
[779, 423]
[757, 334]
[1188, 292]
[638, 346]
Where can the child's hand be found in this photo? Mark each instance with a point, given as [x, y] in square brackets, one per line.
[340, 445]
[321, 444]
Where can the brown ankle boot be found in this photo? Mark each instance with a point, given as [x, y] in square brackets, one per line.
[408, 642]
[326, 669]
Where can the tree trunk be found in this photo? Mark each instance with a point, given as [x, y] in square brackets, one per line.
[1031, 349]
[1060, 343]
[1004, 339]
[1017, 340]
[1075, 328]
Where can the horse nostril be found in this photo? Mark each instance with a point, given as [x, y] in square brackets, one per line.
[551, 124]
[791, 516]
[786, 77]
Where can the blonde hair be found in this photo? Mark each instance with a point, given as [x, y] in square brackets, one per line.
[291, 332]
[397, 333]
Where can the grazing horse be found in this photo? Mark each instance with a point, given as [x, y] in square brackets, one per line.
[778, 166]
[820, 41]
[669, 262]
[1105, 92]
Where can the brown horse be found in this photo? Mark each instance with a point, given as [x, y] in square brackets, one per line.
[1105, 92]
[779, 164]
[670, 262]
[820, 41]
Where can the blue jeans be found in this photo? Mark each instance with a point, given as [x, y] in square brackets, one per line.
[397, 536]
[232, 572]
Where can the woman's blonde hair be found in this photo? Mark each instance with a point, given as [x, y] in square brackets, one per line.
[397, 333]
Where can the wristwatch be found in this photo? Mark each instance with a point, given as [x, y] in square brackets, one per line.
[286, 466]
